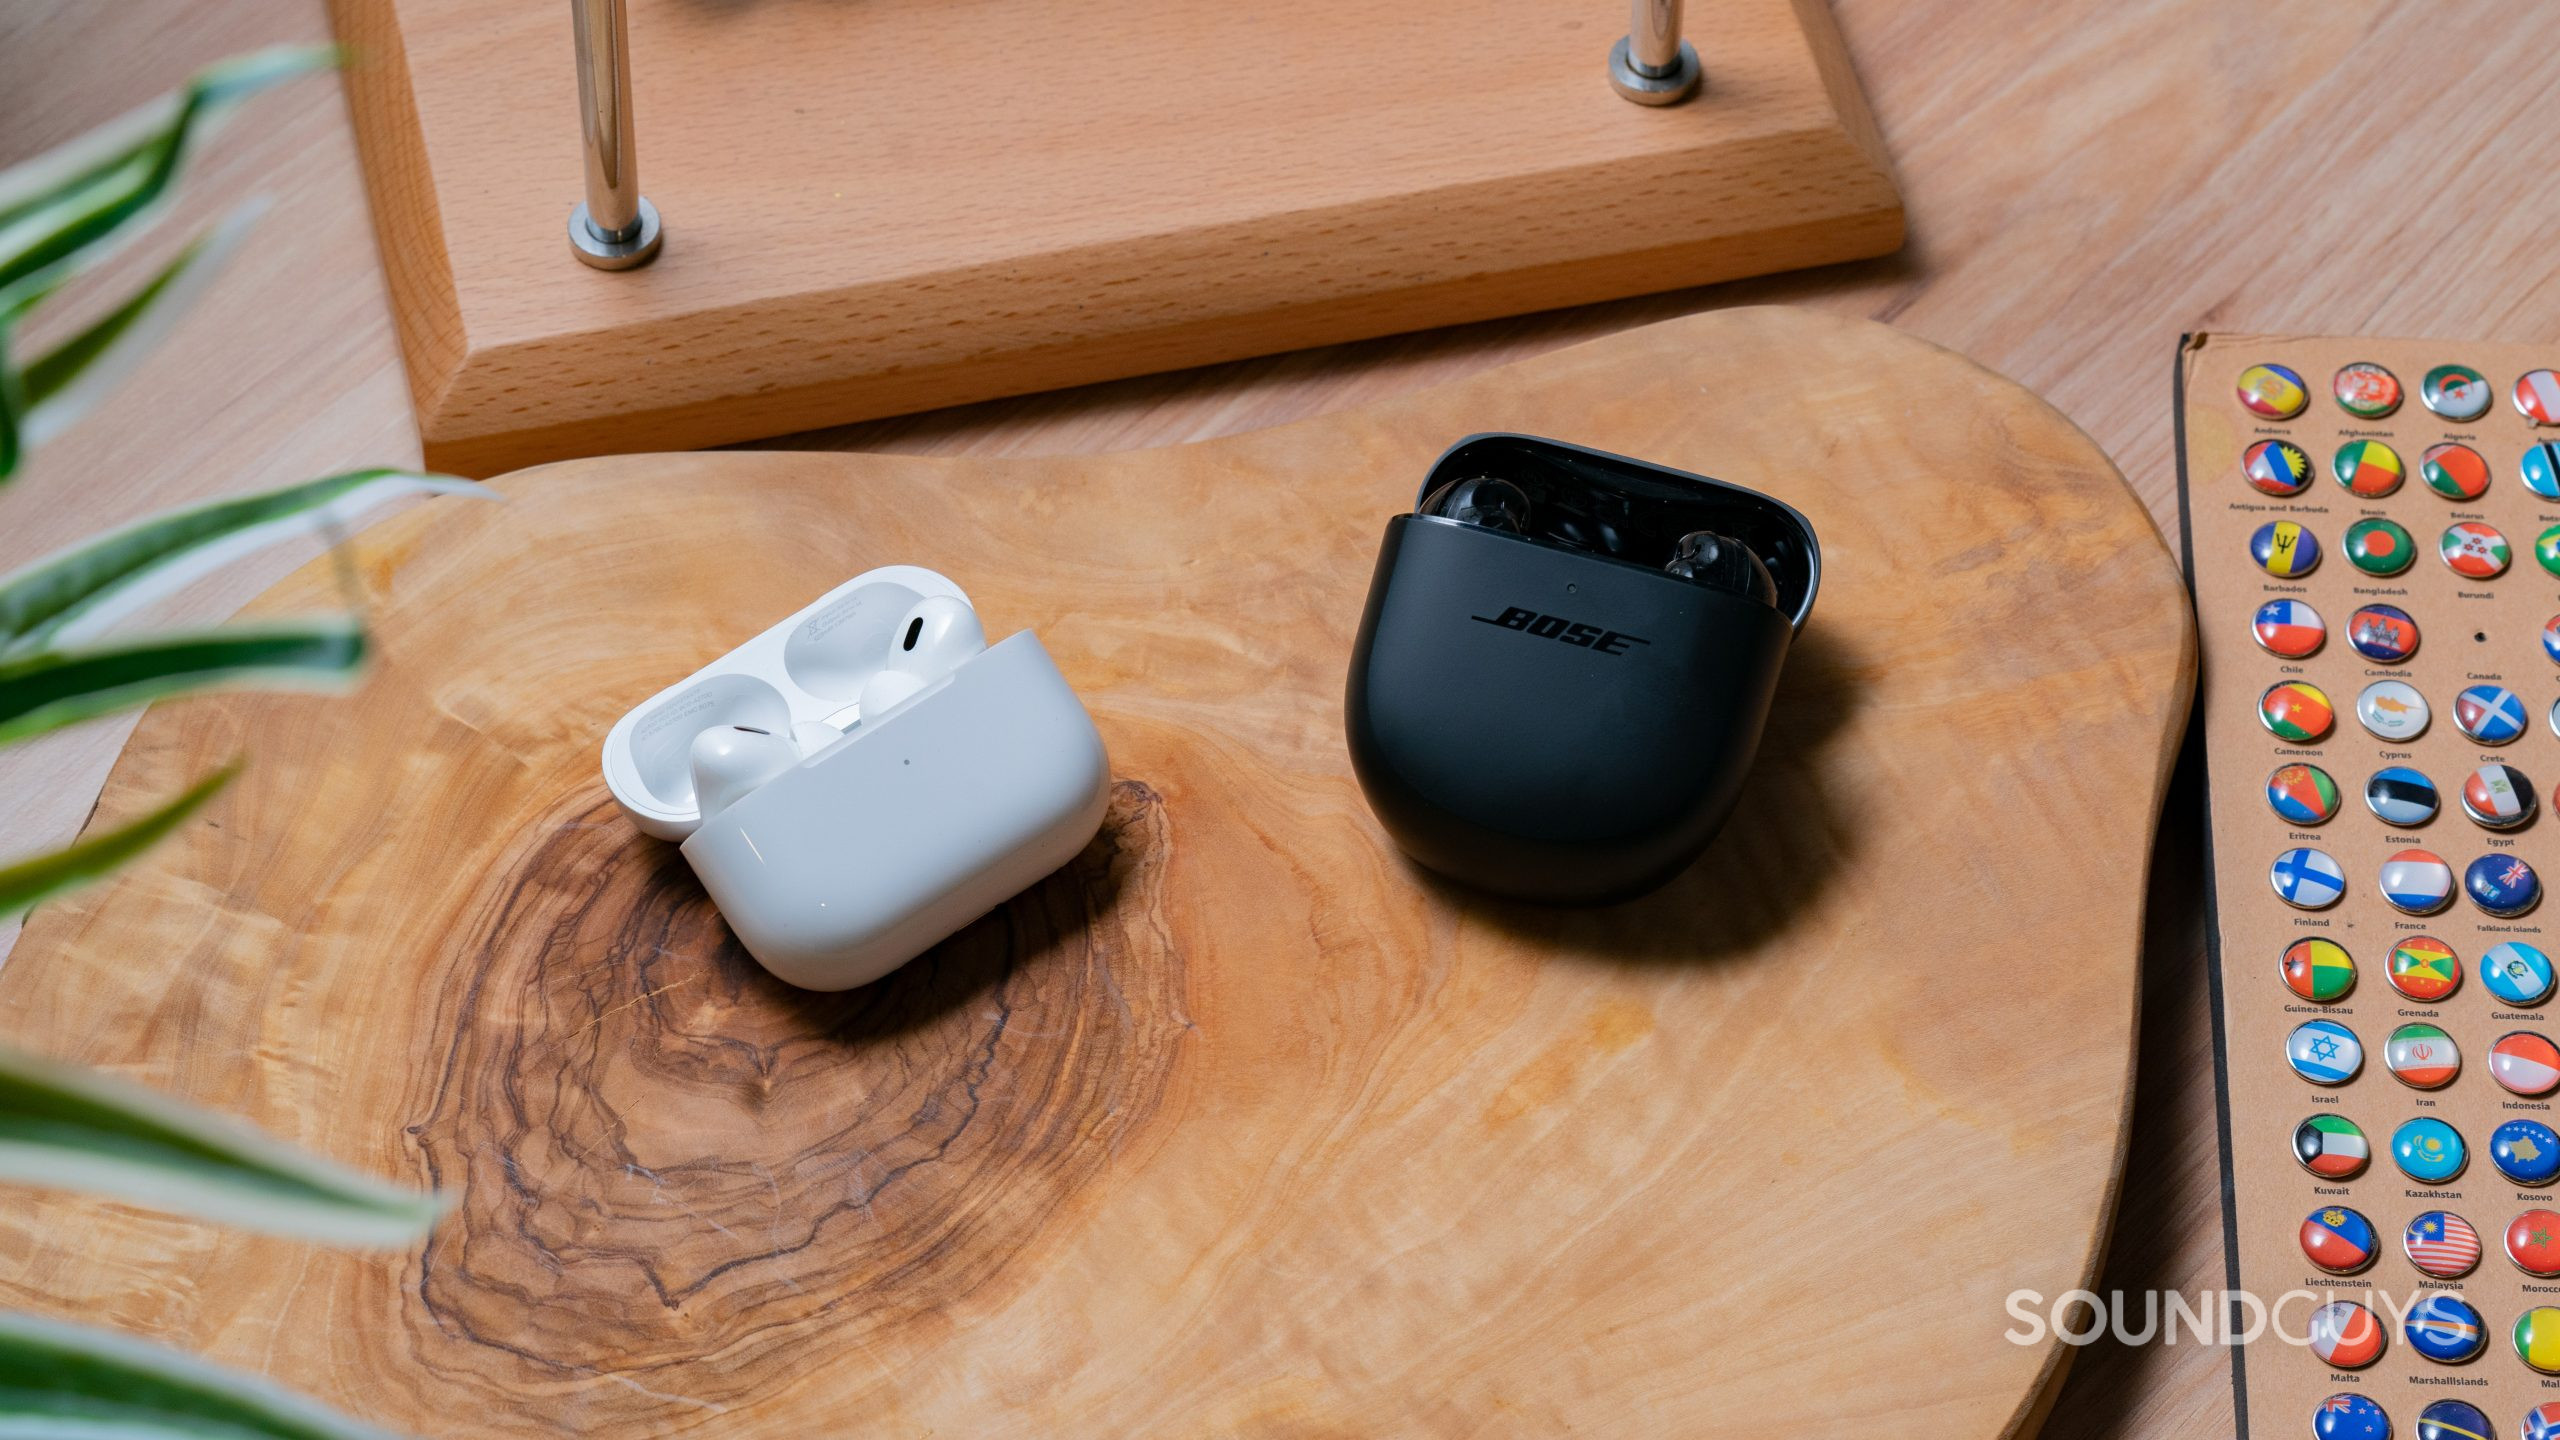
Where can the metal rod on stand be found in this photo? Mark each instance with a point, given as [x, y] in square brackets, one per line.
[616, 227]
[1653, 65]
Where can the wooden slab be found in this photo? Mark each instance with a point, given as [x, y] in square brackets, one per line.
[2470, 632]
[904, 204]
[1237, 1126]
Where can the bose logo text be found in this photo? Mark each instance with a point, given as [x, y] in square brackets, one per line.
[1560, 629]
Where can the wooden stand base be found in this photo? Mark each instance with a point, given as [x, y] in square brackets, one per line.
[1236, 1126]
[899, 204]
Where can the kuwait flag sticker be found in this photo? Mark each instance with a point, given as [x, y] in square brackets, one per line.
[2525, 1063]
[2331, 1147]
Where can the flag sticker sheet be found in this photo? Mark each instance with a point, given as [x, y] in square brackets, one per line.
[2373, 537]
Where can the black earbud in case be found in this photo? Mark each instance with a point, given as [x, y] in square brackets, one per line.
[1566, 663]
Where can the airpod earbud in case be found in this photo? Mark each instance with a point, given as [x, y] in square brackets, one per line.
[866, 777]
[1566, 662]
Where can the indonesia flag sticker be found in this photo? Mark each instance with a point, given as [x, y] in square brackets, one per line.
[2525, 1063]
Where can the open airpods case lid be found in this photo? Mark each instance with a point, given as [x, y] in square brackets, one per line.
[809, 668]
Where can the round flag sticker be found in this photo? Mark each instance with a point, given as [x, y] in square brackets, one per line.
[2425, 969]
[2276, 467]
[2318, 970]
[2537, 397]
[2349, 1416]
[2517, 973]
[2445, 1329]
[2525, 1151]
[2345, 1334]
[2490, 714]
[2324, 1052]
[2428, 1150]
[2498, 796]
[2380, 547]
[2442, 1244]
[2368, 468]
[2302, 794]
[2454, 1420]
[2391, 710]
[2292, 629]
[2366, 390]
[2540, 470]
[2338, 1240]
[2299, 711]
[2455, 472]
[2470, 549]
[2525, 1063]
[2383, 634]
[2537, 1339]
[2422, 1056]
[2502, 885]
[2546, 550]
[2401, 797]
[2456, 392]
[2417, 882]
[2542, 1422]
[2285, 550]
[2307, 879]
[2533, 1243]
[2331, 1147]
[2551, 639]
[2273, 392]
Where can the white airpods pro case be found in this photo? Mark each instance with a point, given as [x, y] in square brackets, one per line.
[844, 855]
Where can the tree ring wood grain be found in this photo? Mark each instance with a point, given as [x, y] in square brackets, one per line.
[649, 1151]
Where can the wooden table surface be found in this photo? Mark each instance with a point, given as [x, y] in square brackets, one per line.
[2086, 180]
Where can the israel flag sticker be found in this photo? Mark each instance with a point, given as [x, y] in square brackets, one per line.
[2324, 1052]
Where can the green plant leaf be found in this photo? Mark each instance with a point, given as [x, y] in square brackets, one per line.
[70, 1382]
[26, 883]
[49, 689]
[66, 382]
[74, 595]
[66, 1128]
[60, 212]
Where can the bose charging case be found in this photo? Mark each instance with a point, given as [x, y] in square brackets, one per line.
[871, 845]
[1547, 713]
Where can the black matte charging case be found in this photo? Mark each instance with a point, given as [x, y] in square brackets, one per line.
[1565, 722]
